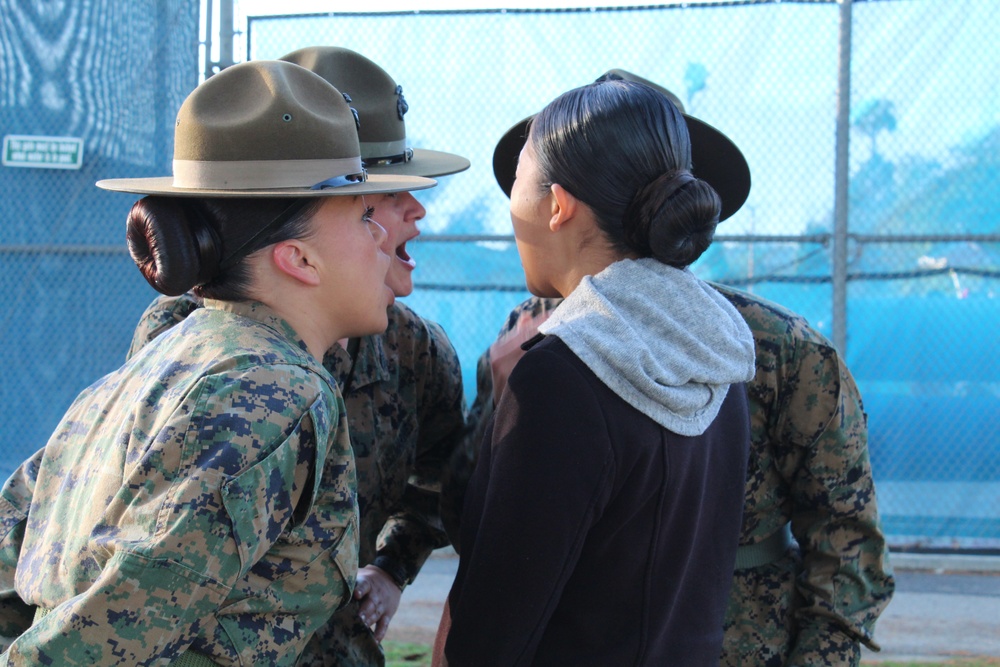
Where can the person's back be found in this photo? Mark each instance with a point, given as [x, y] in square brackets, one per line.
[601, 521]
[161, 405]
[645, 584]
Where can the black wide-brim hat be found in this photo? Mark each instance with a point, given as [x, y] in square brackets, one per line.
[714, 157]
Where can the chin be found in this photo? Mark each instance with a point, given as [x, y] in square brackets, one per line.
[401, 288]
[546, 292]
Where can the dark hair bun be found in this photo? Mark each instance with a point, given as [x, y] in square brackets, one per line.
[172, 244]
[672, 218]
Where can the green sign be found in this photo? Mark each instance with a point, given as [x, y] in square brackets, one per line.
[42, 152]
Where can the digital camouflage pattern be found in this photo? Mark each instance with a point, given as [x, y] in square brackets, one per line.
[808, 465]
[201, 497]
[406, 414]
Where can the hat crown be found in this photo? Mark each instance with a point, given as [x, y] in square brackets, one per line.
[265, 111]
[381, 106]
[374, 94]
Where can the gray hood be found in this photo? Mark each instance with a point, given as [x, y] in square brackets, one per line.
[659, 337]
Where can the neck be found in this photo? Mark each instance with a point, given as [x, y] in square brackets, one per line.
[291, 301]
[314, 333]
[581, 249]
[589, 261]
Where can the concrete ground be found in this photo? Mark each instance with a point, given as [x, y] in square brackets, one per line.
[944, 607]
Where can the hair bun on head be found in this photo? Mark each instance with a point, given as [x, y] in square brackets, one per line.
[672, 218]
[172, 244]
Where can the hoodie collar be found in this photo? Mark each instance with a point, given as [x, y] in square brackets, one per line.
[662, 339]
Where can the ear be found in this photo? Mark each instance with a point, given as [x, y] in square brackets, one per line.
[291, 257]
[564, 207]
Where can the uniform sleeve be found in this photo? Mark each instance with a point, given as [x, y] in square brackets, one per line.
[217, 487]
[15, 501]
[534, 506]
[162, 314]
[846, 580]
[414, 528]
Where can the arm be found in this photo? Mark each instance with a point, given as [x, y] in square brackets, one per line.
[211, 494]
[846, 580]
[492, 371]
[414, 529]
[15, 501]
[531, 504]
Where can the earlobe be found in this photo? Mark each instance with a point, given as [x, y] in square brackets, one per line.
[291, 258]
[563, 207]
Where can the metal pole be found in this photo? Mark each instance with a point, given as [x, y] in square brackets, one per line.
[841, 203]
[225, 34]
[209, 65]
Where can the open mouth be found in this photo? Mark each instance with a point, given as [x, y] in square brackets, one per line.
[404, 257]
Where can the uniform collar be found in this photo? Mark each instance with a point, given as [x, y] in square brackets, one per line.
[259, 312]
[368, 366]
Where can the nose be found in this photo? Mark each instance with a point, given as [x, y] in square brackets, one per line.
[413, 209]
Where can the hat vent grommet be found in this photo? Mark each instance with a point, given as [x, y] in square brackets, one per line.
[287, 118]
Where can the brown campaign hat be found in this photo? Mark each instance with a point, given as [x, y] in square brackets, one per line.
[381, 106]
[266, 129]
[714, 157]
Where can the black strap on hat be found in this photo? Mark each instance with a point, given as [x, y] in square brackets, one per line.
[287, 214]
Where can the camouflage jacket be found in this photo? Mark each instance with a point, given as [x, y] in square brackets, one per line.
[200, 497]
[809, 466]
[406, 413]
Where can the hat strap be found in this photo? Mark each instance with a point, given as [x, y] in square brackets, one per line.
[287, 214]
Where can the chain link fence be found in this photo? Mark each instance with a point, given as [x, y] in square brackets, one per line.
[924, 194]
[111, 76]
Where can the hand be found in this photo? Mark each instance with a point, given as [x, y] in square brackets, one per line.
[506, 350]
[378, 599]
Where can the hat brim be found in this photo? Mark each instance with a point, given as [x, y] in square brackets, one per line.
[714, 158]
[426, 163]
[163, 185]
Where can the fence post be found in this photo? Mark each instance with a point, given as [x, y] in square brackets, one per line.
[226, 32]
[209, 64]
[841, 180]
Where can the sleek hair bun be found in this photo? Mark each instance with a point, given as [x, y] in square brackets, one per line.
[672, 218]
[173, 245]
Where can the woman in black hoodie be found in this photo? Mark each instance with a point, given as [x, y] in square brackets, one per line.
[601, 523]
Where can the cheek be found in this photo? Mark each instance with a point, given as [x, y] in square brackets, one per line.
[527, 223]
[392, 222]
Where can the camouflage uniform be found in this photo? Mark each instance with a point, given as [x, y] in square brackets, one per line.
[405, 408]
[200, 497]
[816, 602]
